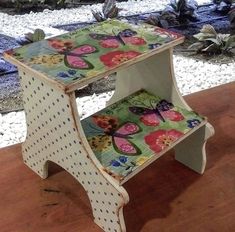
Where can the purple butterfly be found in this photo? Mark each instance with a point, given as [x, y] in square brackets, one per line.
[123, 37]
[152, 115]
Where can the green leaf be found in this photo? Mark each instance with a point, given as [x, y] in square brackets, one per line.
[230, 43]
[38, 35]
[110, 9]
[214, 40]
[203, 36]
[208, 29]
[98, 16]
[196, 46]
[231, 16]
[213, 48]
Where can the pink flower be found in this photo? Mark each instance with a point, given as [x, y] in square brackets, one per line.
[114, 43]
[172, 115]
[150, 120]
[161, 139]
[109, 43]
[134, 40]
[114, 58]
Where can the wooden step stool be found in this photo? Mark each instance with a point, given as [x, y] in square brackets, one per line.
[145, 117]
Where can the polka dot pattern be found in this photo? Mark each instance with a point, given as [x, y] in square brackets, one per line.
[53, 135]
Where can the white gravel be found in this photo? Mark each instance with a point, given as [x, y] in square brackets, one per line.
[191, 75]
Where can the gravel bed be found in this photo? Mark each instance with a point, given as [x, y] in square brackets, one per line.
[192, 75]
[16, 25]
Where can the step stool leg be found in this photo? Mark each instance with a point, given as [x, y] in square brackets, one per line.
[191, 152]
[54, 133]
[108, 210]
[40, 167]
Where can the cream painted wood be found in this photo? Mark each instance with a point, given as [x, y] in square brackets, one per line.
[191, 152]
[54, 134]
[156, 75]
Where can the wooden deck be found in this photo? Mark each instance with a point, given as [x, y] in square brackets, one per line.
[173, 199]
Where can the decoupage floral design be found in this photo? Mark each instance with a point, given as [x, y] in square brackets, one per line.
[114, 40]
[193, 122]
[152, 113]
[160, 139]
[92, 50]
[112, 59]
[123, 139]
[47, 60]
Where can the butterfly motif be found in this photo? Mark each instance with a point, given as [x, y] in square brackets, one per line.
[124, 37]
[74, 56]
[152, 115]
[113, 134]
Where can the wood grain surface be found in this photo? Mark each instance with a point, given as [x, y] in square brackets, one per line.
[166, 196]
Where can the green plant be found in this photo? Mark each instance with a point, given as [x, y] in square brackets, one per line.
[109, 10]
[175, 13]
[37, 35]
[157, 20]
[231, 16]
[181, 11]
[211, 42]
[222, 6]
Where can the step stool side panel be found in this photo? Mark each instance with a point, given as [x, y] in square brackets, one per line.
[54, 134]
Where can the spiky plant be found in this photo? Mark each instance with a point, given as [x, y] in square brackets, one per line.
[231, 16]
[222, 6]
[181, 11]
[157, 20]
[109, 10]
[211, 42]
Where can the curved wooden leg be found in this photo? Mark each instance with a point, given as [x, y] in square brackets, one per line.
[191, 151]
[54, 133]
[108, 212]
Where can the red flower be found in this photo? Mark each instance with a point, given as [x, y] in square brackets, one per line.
[112, 59]
[161, 139]
[61, 45]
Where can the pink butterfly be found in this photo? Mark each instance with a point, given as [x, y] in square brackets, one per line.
[151, 116]
[74, 57]
[120, 134]
[124, 37]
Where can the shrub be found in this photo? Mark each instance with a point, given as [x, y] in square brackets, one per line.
[175, 13]
[211, 42]
[222, 6]
[109, 10]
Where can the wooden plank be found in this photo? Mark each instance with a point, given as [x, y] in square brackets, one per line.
[50, 58]
[173, 198]
[124, 157]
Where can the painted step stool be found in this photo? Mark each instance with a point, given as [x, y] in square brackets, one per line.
[143, 120]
